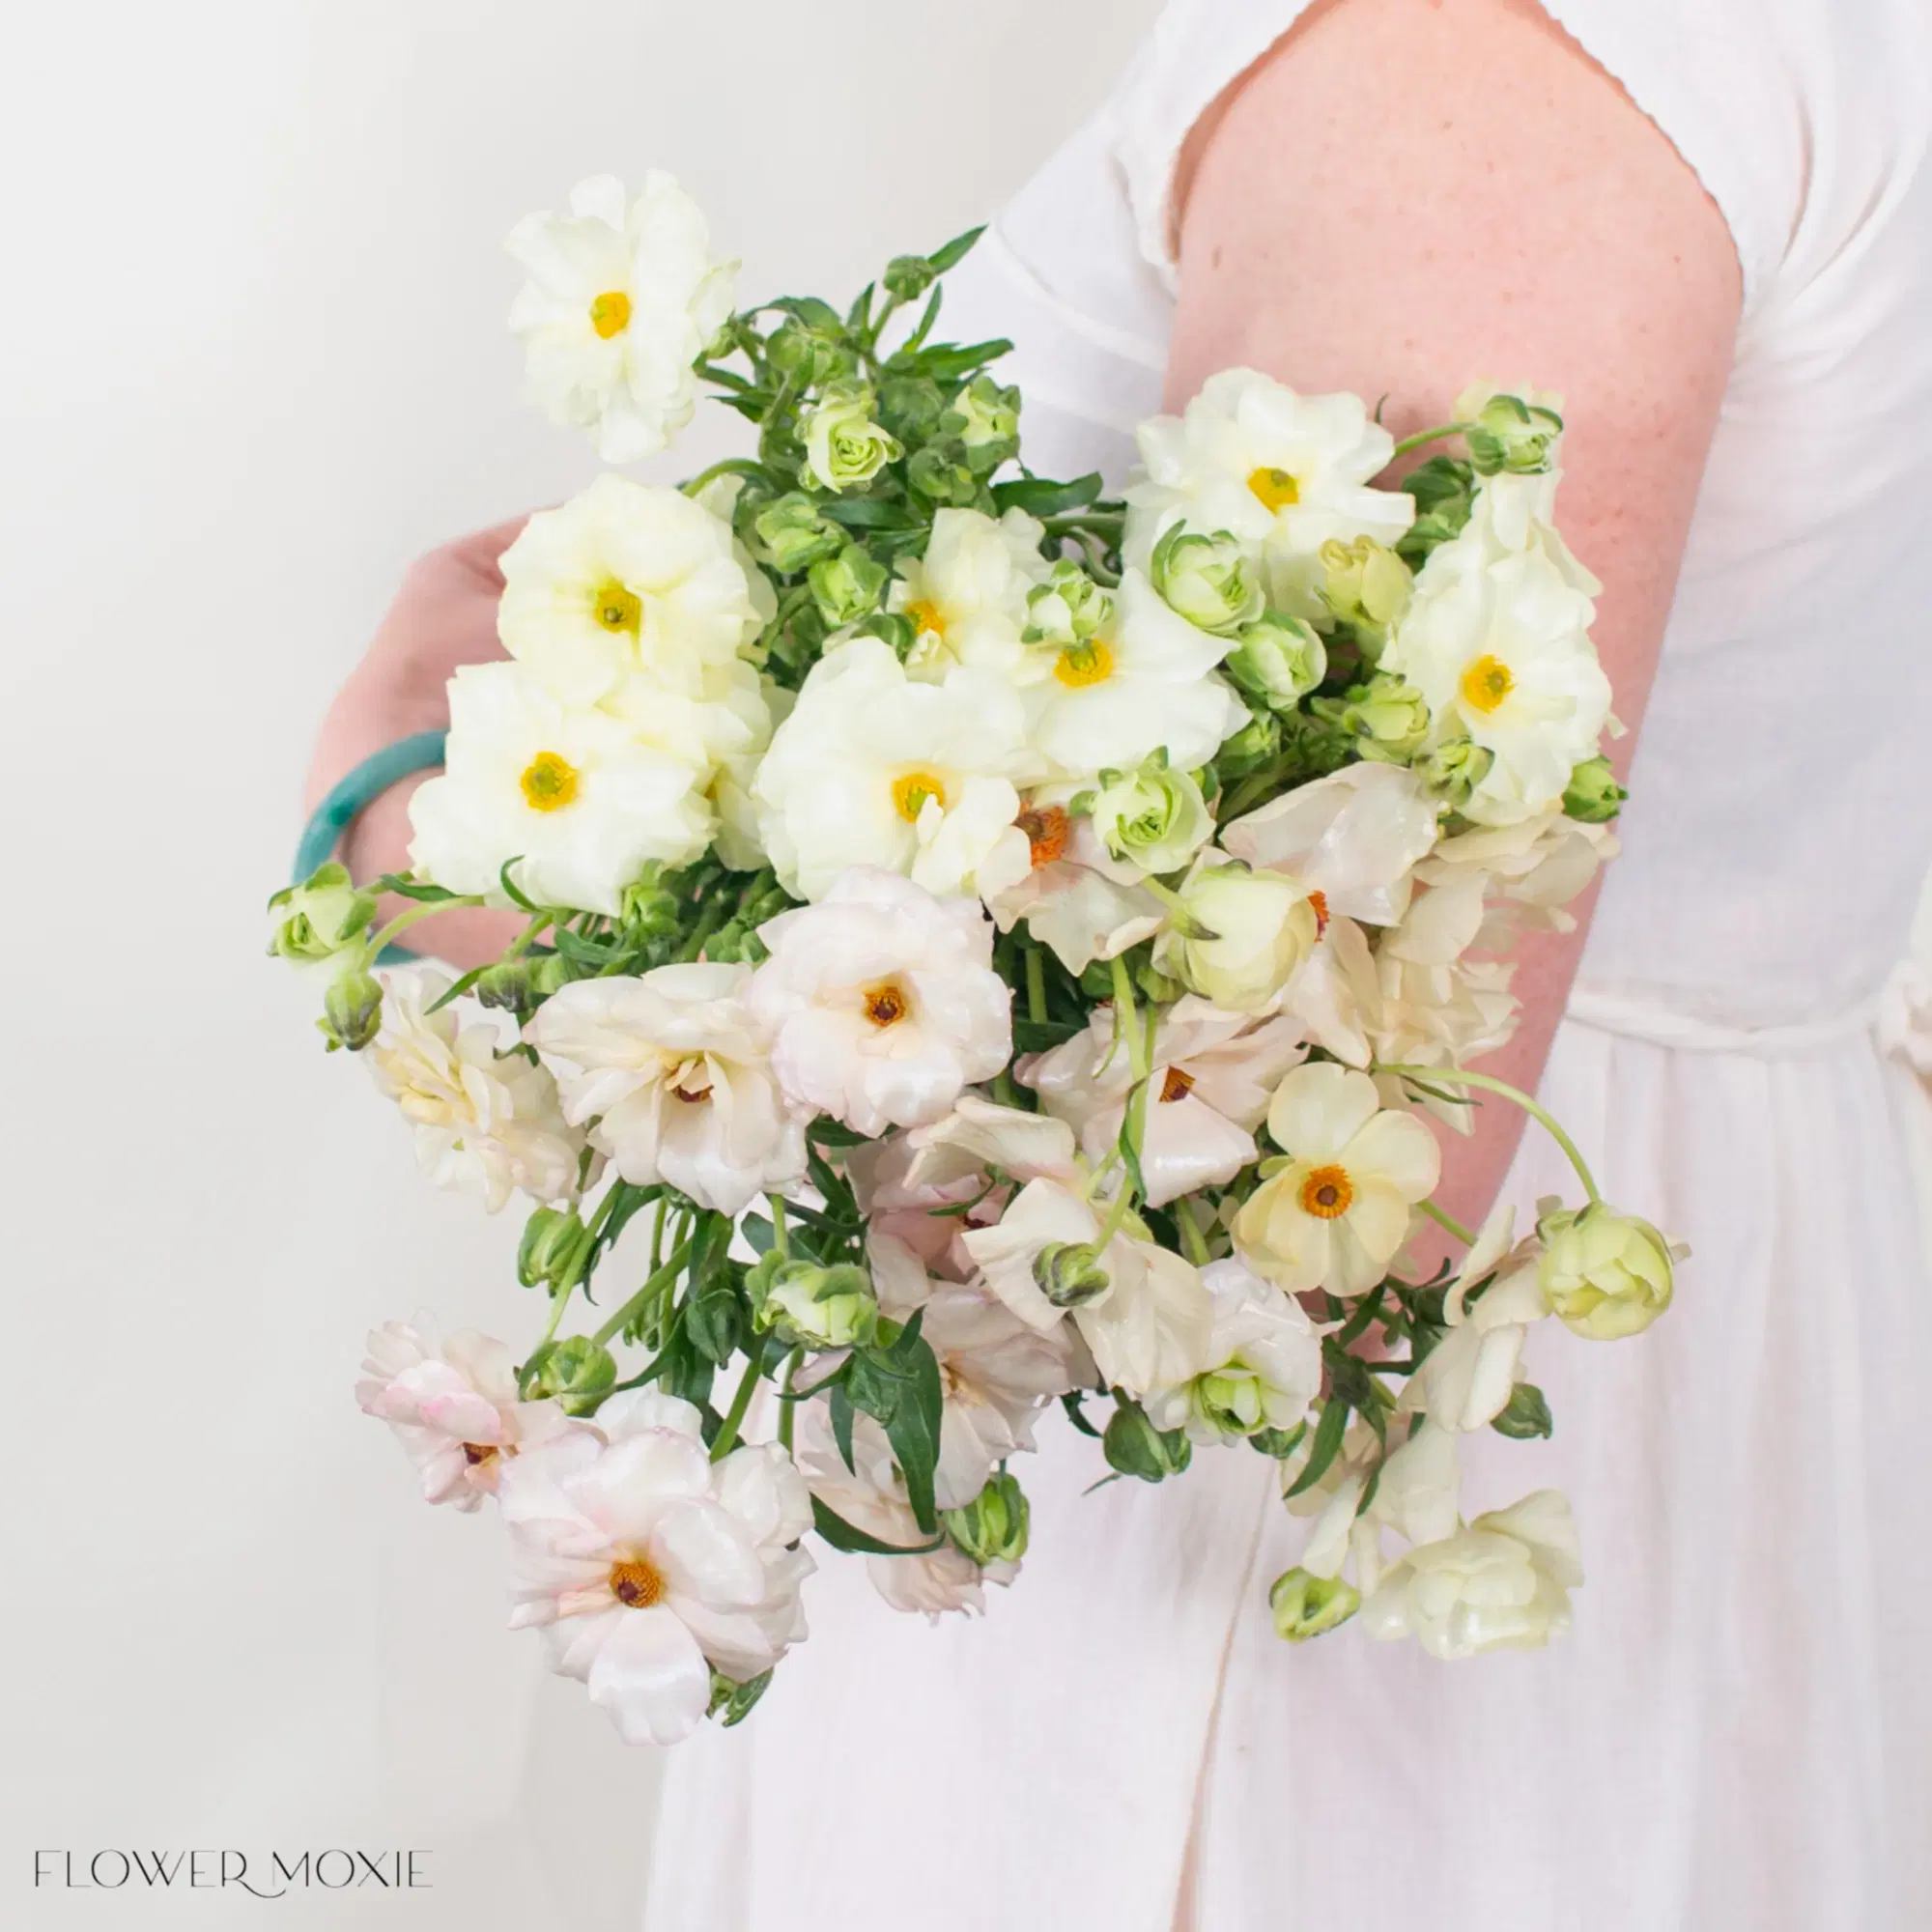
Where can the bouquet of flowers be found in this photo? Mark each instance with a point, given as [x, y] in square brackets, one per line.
[991, 949]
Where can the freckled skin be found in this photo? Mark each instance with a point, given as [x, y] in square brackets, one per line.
[1567, 244]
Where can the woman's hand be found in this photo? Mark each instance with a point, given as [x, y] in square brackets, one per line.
[445, 615]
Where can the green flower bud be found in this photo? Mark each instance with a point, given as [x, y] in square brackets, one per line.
[992, 1528]
[806, 1303]
[1525, 1417]
[1210, 580]
[1367, 587]
[1154, 818]
[351, 1011]
[649, 909]
[1443, 489]
[1593, 796]
[1278, 659]
[510, 985]
[812, 356]
[984, 416]
[940, 473]
[550, 971]
[1255, 745]
[550, 1238]
[730, 1701]
[578, 1372]
[1513, 435]
[1453, 770]
[1388, 717]
[788, 533]
[844, 449]
[1277, 1444]
[1135, 1447]
[1306, 1606]
[321, 917]
[847, 586]
[911, 408]
[1069, 1273]
[907, 278]
[1606, 1274]
[1068, 608]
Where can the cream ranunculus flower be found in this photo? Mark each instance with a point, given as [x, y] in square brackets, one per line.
[873, 768]
[844, 449]
[1334, 1211]
[1268, 1363]
[569, 793]
[1237, 936]
[673, 1076]
[1142, 1310]
[454, 1408]
[1154, 818]
[1212, 1072]
[882, 1002]
[624, 578]
[967, 596]
[1282, 471]
[1606, 1274]
[645, 1564]
[622, 297]
[483, 1125]
[1440, 1016]
[1499, 644]
[1144, 682]
[1465, 1382]
[1503, 1581]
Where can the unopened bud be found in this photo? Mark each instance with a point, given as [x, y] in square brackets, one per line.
[320, 918]
[1278, 659]
[1069, 1274]
[1511, 434]
[1135, 1447]
[578, 1372]
[992, 1528]
[1208, 578]
[846, 586]
[1593, 796]
[792, 534]
[1255, 744]
[550, 1238]
[1525, 1417]
[907, 278]
[941, 474]
[1367, 587]
[805, 1304]
[1453, 770]
[987, 418]
[351, 1011]
[1388, 717]
[731, 1701]
[1305, 1607]
[1068, 608]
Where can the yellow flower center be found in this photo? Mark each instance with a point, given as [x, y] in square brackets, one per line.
[611, 313]
[636, 1584]
[1177, 1084]
[912, 789]
[1276, 487]
[927, 620]
[549, 782]
[886, 1003]
[1487, 683]
[1081, 664]
[616, 609]
[1326, 1192]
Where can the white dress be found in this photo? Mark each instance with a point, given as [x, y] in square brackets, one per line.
[1735, 1735]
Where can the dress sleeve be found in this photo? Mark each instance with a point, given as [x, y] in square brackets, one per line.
[1799, 117]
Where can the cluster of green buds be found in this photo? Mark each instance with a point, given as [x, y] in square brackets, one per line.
[1508, 434]
[322, 925]
[1454, 769]
[1386, 716]
[807, 1304]
[993, 1527]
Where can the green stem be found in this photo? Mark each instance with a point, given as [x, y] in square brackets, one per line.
[788, 1409]
[1126, 1014]
[1448, 1221]
[422, 909]
[1489, 1083]
[525, 939]
[645, 1295]
[778, 1207]
[728, 1437]
[1191, 1236]
[1036, 984]
[1423, 436]
[579, 1259]
[733, 465]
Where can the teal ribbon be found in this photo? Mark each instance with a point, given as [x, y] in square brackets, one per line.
[352, 794]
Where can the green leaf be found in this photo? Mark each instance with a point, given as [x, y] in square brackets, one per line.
[946, 364]
[512, 889]
[1071, 1401]
[1328, 1433]
[898, 1384]
[867, 513]
[842, 1422]
[457, 989]
[407, 888]
[957, 251]
[833, 1528]
[1038, 1035]
[1042, 496]
[1527, 1417]
[758, 1234]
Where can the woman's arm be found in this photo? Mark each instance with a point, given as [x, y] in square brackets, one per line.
[1405, 196]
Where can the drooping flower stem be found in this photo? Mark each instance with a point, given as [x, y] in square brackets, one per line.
[1490, 1084]
[1125, 1016]
[580, 1260]
[1449, 1221]
[660, 1280]
[410, 915]
[1423, 436]
[734, 1417]
[787, 1409]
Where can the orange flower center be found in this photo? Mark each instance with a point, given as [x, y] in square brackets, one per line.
[1081, 664]
[1319, 902]
[636, 1584]
[1326, 1192]
[474, 1453]
[611, 313]
[1177, 1084]
[912, 789]
[884, 1004]
[549, 782]
[1486, 684]
[1047, 829]
[1276, 488]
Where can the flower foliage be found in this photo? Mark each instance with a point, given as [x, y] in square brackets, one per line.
[987, 946]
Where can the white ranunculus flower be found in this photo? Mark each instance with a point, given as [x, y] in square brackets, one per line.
[1282, 471]
[873, 768]
[623, 296]
[1051, 869]
[624, 578]
[1340, 1530]
[1143, 1311]
[454, 1408]
[882, 1002]
[569, 793]
[645, 1564]
[979, 1134]
[1465, 1382]
[1334, 1211]
[967, 596]
[1212, 1072]
[1353, 838]
[483, 1125]
[673, 1076]
[1499, 644]
[1239, 936]
[1503, 1581]
[1608, 1275]
[872, 1496]
[1144, 682]
[1268, 1363]
[1440, 1016]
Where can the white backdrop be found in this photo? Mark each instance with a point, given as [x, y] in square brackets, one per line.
[253, 361]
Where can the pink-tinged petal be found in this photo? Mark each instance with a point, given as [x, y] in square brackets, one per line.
[464, 1415]
[1398, 1149]
[651, 1677]
[632, 1484]
[1319, 1109]
[572, 1646]
[1187, 1144]
[637, 1410]
[705, 1555]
